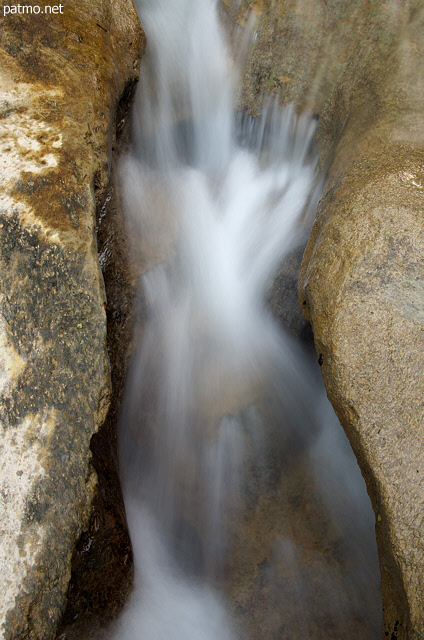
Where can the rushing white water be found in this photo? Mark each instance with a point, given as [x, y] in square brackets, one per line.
[213, 205]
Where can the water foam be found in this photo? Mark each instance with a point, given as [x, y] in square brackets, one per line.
[215, 201]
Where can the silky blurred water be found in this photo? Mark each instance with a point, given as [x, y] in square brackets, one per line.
[216, 201]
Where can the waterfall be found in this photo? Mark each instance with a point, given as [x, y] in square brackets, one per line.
[217, 391]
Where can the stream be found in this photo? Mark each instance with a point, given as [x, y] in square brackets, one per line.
[248, 515]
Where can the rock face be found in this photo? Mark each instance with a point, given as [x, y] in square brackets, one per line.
[360, 67]
[362, 284]
[62, 78]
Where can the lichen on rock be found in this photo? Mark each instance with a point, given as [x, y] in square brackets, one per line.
[62, 78]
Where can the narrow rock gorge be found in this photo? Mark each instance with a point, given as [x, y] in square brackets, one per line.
[67, 84]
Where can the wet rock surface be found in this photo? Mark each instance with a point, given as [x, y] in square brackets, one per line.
[359, 67]
[102, 567]
[293, 570]
[62, 79]
[284, 298]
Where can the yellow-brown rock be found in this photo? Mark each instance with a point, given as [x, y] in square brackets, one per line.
[360, 67]
[362, 285]
[63, 77]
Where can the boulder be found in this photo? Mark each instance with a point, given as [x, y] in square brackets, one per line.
[63, 77]
[361, 287]
[359, 66]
